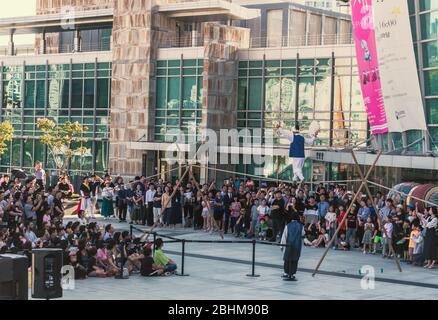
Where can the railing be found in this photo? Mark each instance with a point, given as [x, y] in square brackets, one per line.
[299, 41]
[266, 42]
[185, 41]
[27, 50]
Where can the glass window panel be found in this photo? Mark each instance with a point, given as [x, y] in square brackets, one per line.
[16, 152]
[288, 94]
[29, 101]
[242, 93]
[425, 5]
[289, 63]
[41, 94]
[272, 94]
[255, 72]
[256, 64]
[428, 25]
[189, 92]
[161, 93]
[76, 95]
[413, 136]
[322, 93]
[89, 94]
[255, 94]
[28, 159]
[430, 54]
[174, 63]
[173, 93]
[102, 93]
[431, 82]
[432, 111]
[306, 95]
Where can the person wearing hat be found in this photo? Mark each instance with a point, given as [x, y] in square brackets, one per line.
[296, 149]
[292, 241]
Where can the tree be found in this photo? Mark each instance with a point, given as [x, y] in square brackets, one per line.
[6, 135]
[63, 141]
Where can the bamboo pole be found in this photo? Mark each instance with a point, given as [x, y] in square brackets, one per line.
[391, 247]
[346, 214]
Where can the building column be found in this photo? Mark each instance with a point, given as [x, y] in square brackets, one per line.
[77, 41]
[11, 46]
[43, 48]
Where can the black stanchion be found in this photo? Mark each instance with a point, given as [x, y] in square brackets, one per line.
[183, 253]
[130, 230]
[153, 245]
[253, 261]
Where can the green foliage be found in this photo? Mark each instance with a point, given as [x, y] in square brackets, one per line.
[60, 138]
[6, 135]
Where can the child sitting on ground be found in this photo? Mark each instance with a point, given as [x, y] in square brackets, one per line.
[343, 243]
[263, 229]
[148, 267]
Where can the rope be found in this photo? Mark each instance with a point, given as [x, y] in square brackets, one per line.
[271, 179]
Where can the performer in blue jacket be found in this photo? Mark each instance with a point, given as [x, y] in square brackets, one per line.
[293, 238]
[297, 147]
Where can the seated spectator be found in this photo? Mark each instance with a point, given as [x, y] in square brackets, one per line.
[161, 260]
[148, 267]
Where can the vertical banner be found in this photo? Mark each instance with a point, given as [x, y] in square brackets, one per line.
[398, 69]
[368, 65]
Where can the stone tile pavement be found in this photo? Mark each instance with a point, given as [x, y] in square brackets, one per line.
[218, 271]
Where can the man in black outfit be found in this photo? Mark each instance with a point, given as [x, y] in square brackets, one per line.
[277, 213]
[228, 199]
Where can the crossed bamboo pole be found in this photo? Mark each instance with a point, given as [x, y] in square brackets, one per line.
[379, 218]
[363, 184]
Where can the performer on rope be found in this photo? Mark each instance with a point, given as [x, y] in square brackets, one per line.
[297, 144]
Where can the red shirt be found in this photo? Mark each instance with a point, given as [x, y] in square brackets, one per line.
[340, 217]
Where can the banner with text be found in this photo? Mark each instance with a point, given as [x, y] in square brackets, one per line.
[368, 65]
[398, 69]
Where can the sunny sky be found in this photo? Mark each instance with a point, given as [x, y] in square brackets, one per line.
[17, 8]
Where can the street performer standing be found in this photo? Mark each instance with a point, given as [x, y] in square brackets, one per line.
[292, 239]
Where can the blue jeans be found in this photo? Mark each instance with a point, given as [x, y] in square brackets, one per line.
[170, 267]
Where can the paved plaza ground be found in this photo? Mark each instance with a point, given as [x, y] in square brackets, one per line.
[219, 271]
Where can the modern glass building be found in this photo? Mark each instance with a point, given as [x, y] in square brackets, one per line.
[134, 77]
[61, 92]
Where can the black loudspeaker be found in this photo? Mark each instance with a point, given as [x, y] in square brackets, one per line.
[13, 277]
[46, 273]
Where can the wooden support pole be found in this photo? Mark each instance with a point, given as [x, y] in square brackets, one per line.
[346, 214]
[175, 189]
[379, 219]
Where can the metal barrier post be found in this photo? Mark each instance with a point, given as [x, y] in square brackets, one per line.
[153, 245]
[130, 230]
[183, 252]
[253, 261]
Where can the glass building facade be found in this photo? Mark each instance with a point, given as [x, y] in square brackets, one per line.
[178, 97]
[300, 91]
[67, 92]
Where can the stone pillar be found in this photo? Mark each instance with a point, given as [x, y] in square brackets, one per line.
[221, 62]
[131, 83]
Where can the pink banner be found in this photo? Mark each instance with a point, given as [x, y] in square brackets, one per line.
[368, 66]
